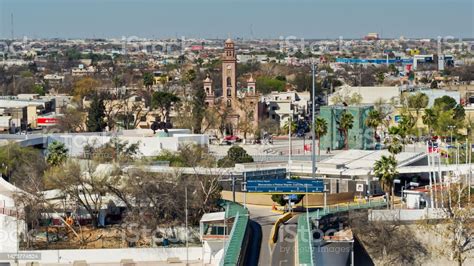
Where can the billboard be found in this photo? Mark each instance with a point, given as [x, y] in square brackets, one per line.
[285, 186]
[46, 121]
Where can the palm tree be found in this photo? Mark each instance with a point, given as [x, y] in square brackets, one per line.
[345, 123]
[286, 126]
[395, 145]
[429, 119]
[373, 121]
[320, 129]
[386, 170]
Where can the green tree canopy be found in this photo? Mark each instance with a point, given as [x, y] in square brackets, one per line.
[235, 154]
[96, 114]
[57, 153]
[148, 80]
[164, 101]
[267, 84]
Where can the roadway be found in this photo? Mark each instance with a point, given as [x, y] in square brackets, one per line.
[264, 216]
[284, 249]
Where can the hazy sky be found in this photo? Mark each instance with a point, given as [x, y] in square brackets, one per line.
[238, 18]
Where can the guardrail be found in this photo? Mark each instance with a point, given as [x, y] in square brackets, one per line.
[304, 236]
[233, 247]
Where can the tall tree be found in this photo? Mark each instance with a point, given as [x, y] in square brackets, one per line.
[429, 119]
[96, 114]
[321, 129]
[164, 101]
[148, 80]
[346, 123]
[373, 121]
[199, 108]
[386, 170]
[57, 153]
[72, 120]
[287, 124]
[18, 164]
[84, 87]
[417, 101]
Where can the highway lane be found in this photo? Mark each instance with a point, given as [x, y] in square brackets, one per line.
[284, 250]
[265, 218]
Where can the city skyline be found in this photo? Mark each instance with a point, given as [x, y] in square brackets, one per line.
[237, 18]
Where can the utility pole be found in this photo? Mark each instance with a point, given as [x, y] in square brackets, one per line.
[313, 133]
[233, 187]
[12, 29]
[186, 212]
[290, 124]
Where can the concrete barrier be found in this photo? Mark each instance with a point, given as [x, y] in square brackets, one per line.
[116, 256]
[275, 229]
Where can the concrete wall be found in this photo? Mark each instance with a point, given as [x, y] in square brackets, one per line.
[266, 199]
[148, 146]
[116, 255]
[405, 215]
[8, 233]
[359, 137]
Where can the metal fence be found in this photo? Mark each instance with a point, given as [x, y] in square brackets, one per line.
[236, 238]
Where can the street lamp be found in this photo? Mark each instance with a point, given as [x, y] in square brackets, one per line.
[313, 133]
[451, 127]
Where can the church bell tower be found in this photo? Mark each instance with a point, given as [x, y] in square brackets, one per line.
[229, 67]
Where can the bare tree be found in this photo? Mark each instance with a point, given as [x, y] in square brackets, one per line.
[387, 242]
[456, 229]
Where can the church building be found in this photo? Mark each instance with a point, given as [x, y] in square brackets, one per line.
[241, 107]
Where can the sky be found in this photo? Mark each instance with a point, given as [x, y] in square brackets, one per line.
[236, 18]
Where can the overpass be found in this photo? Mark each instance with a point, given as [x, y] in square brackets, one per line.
[305, 244]
[25, 140]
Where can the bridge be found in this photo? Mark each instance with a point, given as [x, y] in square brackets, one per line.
[305, 243]
[237, 251]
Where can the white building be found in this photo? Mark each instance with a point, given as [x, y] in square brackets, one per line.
[369, 95]
[283, 105]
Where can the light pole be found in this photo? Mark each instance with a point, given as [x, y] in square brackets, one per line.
[310, 240]
[186, 212]
[313, 133]
[290, 124]
[451, 127]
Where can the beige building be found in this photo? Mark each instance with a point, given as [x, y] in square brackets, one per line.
[369, 95]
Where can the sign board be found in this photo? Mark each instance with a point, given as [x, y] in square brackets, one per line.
[360, 187]
[289, 186]
[45, 121]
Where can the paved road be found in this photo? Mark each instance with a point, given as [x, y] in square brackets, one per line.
[253, 248]
[265, 218]
[284, 249]
[334, 254]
